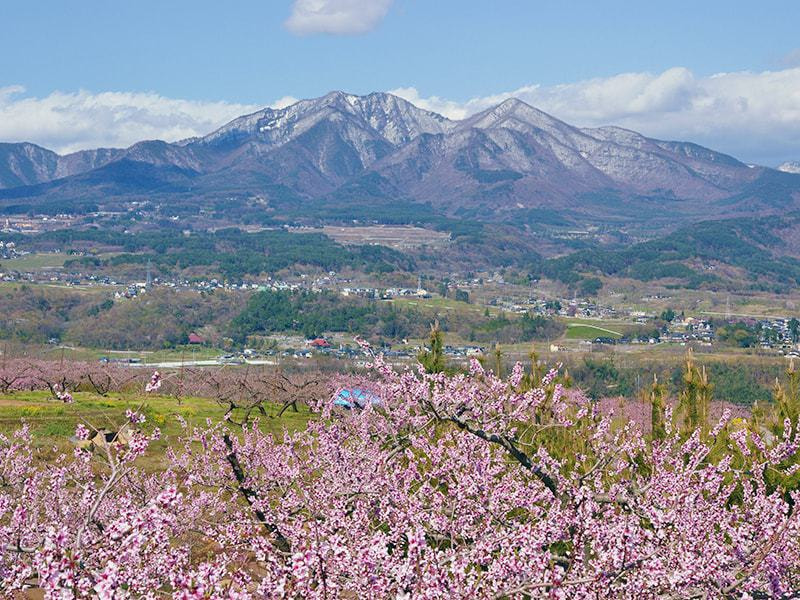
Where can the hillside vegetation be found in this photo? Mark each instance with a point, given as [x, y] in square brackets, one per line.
[749, 245]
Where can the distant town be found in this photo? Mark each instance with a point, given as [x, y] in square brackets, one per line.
[776, 334]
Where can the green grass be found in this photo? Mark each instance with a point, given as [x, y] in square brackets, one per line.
[447, 305]
[36, 261]
[45, 260]
[579, 331]
[53, 423]
[56, 287]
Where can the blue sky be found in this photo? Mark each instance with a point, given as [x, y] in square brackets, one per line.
[206, 60]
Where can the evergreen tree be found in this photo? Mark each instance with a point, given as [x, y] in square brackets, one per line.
[794, 329]
[695, 397]
[433, 360]
[498, 361]
[788, 398]
[655, 396]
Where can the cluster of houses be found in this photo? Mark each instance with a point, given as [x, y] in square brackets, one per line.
[37, 224]
[418, 292]
[387, 294]
[313, 347]
[777, 334]
[689, 329]
[361, 292]
[9, 250]
[321, 346]
[132, 291]
[71, 277]
[562, 307]
[464, 351]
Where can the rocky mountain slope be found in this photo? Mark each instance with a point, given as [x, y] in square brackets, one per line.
[790, 167]
[26, 164]
[343, 148]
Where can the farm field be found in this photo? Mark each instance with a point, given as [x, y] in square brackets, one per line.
[44, 261]
[394, 236]
[580, 331]
[36, 261]
[589, 329]
[455, 307]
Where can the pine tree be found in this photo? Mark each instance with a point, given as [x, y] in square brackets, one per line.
[498, 360]
[695, 398]
[654, 396]
[536, 370]
[433, 360]
[788, 398]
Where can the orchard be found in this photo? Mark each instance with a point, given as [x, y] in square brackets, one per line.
[444, 485]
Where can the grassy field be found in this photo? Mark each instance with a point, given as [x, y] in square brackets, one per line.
[39, 261]
[53, 423]
[36, 261]
[448, 305]
[581, 331]
[58, 289]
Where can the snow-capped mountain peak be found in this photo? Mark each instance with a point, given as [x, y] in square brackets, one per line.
[379, 144]
[391, 117]
[516, 114]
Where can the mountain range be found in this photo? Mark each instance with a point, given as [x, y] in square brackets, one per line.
[381, 150]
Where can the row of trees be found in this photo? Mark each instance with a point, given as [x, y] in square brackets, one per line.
[241, 392]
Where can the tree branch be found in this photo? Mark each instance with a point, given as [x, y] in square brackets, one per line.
[280, 542]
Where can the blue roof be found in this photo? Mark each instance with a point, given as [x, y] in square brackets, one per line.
[355, 397]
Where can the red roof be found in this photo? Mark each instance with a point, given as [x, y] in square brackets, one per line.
[320, 343]
[195, 339]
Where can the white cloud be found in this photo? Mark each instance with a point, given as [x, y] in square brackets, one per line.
[754, 116]
[69, 121]
[284, 102]
[338, 17]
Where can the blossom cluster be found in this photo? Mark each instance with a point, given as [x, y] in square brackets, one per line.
[452, 486]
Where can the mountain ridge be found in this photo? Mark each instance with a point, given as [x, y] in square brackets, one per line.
[792, 166]
[504, 158]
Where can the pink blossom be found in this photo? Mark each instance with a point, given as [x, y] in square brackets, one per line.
[82, 432]
[460, 486]
[154, 384]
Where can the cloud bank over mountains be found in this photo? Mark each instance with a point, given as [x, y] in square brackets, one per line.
[754, 116]
[69, 121]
